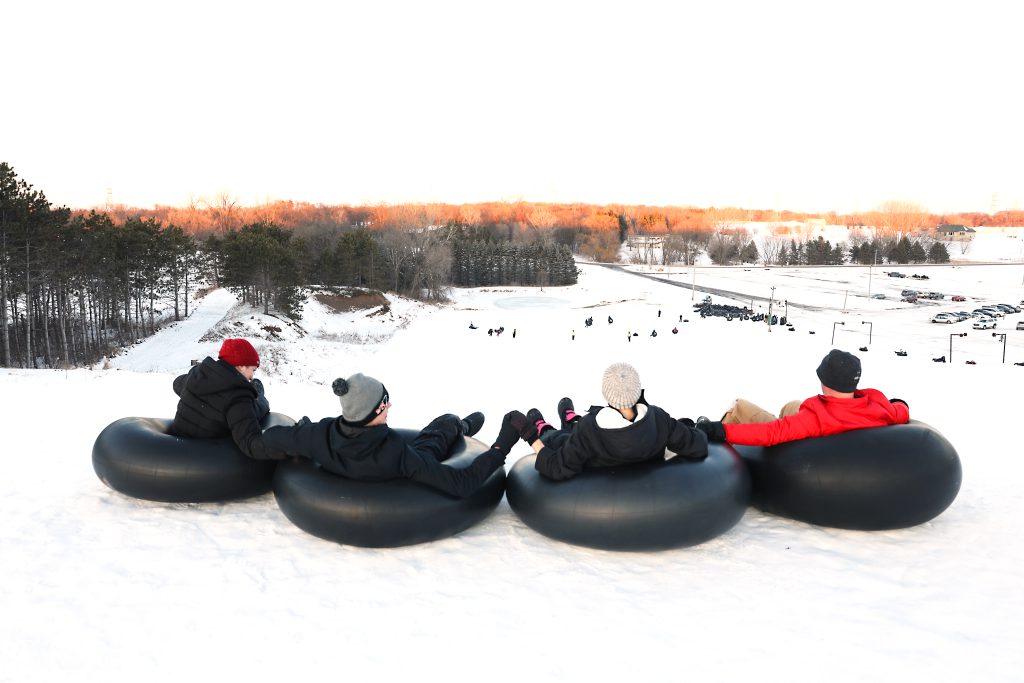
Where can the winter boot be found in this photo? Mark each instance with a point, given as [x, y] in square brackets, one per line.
[566, 412]
[472, 423]
[534, 418]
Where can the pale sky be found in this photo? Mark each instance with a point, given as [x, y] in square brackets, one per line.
[810, 106]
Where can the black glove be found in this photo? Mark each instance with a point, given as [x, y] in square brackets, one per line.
[527, 431]
[509, 433]
[714, 430]
[258, 386]
[899, 400]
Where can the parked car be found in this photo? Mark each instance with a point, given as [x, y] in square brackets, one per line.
[959, 297]
[963, 315]
[984, 324]
[1009, 308]
[909, 299]
[908, 292]
[1020, 325]
[878, 296]
[993, 312]
[919, 277]
[947, 318]
[935, 295]
[893, 273]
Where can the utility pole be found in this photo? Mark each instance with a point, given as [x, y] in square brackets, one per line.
[871, 271]
[771, 298]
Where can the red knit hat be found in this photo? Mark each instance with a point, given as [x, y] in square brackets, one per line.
[239, 352]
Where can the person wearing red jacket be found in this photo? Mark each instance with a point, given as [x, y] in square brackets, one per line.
[840, 407]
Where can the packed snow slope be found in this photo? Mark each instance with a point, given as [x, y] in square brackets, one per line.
[99, 586]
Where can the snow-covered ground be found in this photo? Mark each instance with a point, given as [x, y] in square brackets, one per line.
[99, 586]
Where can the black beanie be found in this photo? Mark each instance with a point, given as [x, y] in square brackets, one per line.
[840, 371]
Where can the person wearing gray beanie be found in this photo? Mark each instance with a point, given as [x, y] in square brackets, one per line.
[840, 407]
[359, 444]
[362, 398]
[626, 430]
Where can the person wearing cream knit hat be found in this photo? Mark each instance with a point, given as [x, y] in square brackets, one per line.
[626, 430]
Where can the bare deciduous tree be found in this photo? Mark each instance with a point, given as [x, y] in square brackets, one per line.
[900, 218]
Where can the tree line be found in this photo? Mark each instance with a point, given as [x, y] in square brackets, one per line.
[77, 286]
[223, 213]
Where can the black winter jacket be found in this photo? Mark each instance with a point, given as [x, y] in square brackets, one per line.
[591, 445]
[379, 453]
[216, 400]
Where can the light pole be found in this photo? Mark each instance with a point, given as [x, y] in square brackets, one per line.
[771, 298]
[955, 334]
[1003, 335]
[834, 330]
[871, 328]
[871, 271]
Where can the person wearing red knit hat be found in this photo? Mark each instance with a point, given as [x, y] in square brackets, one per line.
[219, 398]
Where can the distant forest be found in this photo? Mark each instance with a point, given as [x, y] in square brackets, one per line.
[78, 285]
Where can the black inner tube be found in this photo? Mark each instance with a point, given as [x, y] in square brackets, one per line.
[870, 479]
[383, 514]
[646, 506]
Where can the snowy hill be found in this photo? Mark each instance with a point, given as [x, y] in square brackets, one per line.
[101, 586]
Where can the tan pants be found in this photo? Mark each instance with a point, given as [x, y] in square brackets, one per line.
[745, 412]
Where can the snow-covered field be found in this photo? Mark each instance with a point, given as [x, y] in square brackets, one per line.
[99, 586]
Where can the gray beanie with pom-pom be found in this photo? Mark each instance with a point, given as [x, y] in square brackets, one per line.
[360, 396]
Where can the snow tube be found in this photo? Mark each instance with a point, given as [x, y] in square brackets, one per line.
[645, 506]
[136, 456]
[382, 514]
[869, 479]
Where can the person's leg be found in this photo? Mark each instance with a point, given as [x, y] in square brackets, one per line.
[553, 438]
[791, 408]
[438, 437]
[745, 412]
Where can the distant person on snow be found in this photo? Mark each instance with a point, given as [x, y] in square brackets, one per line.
[360, 445]
[219, 398]
[626, 430]
[840, 407]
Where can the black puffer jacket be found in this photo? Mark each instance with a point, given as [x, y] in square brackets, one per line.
[380, 453]
[216, 400]
[646, 438]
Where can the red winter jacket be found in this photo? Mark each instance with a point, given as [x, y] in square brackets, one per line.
[820, 416]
